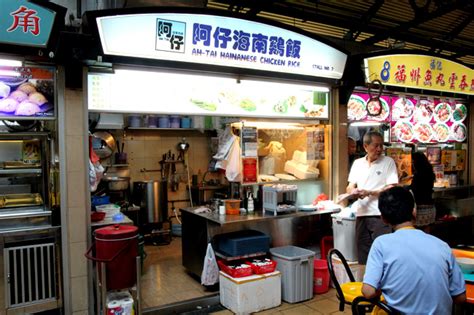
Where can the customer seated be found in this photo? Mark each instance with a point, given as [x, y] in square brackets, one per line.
[416, 272]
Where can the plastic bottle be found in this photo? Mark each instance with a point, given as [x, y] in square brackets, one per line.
[250, 206]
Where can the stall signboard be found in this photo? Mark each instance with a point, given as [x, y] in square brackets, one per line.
[25, 23]
[27, 92]
[421, 72]
[135, 91]
[413, 119]
[218, 40]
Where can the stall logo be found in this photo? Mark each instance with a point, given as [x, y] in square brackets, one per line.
[170, 35]
[25, 19]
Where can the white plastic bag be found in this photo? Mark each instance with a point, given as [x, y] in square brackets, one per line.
[210, 271]
[233, 171]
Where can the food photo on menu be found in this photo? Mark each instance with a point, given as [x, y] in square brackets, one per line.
[402, 108]
[442, 112]
[361, 107]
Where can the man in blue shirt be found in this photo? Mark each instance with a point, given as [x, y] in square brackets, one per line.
[416, 272]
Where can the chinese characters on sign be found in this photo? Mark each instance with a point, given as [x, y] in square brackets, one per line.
[26, 20]
[244, 45]
[424, 72]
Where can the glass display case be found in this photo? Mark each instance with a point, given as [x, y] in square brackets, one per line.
[24, 180]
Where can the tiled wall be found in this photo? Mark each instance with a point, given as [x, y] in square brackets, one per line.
[77, 212]
[145, 149]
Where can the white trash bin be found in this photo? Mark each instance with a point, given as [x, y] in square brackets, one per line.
[344, 230]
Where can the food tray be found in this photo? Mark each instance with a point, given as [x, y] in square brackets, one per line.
[263, 269]
[20, 200]
[235, 273]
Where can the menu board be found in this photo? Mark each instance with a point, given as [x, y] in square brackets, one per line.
[453, 160]
[27, 92]
[133, 91]
[412, 119]
[428, 121]
[362, 108]
[402, 160]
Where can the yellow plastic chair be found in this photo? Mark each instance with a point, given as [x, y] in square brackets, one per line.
[346, 292]
[360, 305]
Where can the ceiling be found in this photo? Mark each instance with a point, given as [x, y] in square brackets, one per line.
[439, 27]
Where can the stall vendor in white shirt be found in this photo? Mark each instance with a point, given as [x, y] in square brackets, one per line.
[369, 176]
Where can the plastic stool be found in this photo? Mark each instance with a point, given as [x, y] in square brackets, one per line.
[327, 243]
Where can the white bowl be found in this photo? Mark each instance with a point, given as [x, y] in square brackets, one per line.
[466, 264]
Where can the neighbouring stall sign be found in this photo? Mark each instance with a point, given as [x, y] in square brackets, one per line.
[422, 72]
[217, 40]
[25, 23]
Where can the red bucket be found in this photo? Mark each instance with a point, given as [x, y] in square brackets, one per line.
[321, 276]
[117, 247]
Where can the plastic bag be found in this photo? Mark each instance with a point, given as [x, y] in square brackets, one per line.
[233, 171]
[210, 271]
[96, 172]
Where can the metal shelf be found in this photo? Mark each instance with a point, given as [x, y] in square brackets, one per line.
[21, 171]
[285, 181]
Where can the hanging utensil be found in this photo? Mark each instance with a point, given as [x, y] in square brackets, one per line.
[103, 144]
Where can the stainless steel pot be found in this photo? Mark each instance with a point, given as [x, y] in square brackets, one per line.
[152, 197]
[117, 183]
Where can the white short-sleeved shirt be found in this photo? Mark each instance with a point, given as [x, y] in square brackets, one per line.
[375, 176]
[416, 272]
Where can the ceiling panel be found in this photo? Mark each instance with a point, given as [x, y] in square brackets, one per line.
[443, 27]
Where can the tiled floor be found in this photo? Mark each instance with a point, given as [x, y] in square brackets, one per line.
[165, 281]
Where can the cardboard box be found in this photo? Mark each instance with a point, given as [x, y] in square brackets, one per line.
[341, 275]
[250, 294]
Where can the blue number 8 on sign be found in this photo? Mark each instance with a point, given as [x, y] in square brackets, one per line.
[385, 73]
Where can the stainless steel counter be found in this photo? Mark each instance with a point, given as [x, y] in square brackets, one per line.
[457, 201]
[296, 228]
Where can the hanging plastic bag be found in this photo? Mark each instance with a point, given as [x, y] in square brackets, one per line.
[233, 171]
[210, 271]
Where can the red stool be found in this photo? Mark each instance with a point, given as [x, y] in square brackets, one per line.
[327, 243]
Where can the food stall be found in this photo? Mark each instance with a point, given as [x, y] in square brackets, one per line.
[420, 103]
[260, 100]
[31, 278]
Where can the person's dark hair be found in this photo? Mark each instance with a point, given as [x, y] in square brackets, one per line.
[396, 205]
[422, 167]
[370, 135]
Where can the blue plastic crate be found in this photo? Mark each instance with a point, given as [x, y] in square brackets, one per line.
[242, 243]
[100, 200]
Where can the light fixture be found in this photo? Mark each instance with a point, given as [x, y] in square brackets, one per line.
[269, 125]
[10, 62]
[9, 73]
[366, 124]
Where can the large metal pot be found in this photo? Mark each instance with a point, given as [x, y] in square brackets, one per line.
[117, 183]
[152, 197]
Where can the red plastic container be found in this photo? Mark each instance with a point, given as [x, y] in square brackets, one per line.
[117, 247]
[327, 243]
[259, 270]
[321, 276]
[235, 273]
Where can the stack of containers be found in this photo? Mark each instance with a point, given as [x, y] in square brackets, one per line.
[242, 279]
